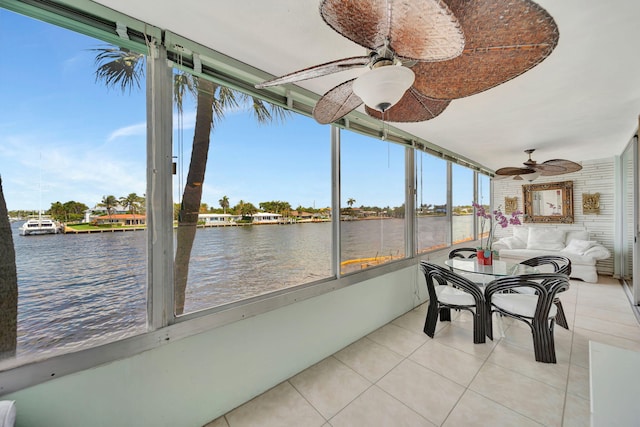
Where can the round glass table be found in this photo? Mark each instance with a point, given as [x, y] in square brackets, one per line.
[483, 274]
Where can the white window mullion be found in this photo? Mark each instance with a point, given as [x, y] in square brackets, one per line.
[159, 183]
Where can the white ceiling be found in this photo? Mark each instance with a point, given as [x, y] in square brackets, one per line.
[581, 103]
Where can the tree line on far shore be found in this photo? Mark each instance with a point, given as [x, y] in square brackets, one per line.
[73, 211]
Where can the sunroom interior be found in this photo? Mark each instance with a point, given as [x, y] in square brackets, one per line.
[277, 319]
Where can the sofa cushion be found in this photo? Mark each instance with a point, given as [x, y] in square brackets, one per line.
[521, 233]
[578, 246]
[513, 242]
[518, 255]
[551, 239]
[575, 234]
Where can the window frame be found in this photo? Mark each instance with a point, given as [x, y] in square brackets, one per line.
[163, 326]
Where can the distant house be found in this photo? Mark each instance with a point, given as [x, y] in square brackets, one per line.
[218, 219]
[266, 218]
[96, 212]
[121, 219]
[301, 215]
[440, 209]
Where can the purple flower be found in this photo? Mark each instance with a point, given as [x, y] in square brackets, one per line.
[500, 220]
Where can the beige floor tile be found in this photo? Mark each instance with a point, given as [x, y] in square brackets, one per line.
[520, 336]
[464, 319]
[329, 386]
[523, 361]
[280, 406]
[414, 319]
[622, 317]
[218, 422]
[533, 399]
[429, 394]
[398, 339]
[369, 359]
[474, 409]
[462, 339]
[578, 381]
[577, 412]
[617, 303]
[375, 408]
[452, 363]
[581, 338]
[608, 327]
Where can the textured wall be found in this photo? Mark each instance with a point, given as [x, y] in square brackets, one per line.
[596, 176]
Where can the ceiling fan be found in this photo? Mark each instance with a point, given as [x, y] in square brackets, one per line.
[424, 53]
[534, 169]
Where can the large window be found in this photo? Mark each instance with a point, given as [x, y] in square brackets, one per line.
[265, 213]
[372, 206]
[72, 158]
[462, 197]
[255, 205]
[432, 222]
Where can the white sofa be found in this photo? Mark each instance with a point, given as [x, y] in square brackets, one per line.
[528, 242]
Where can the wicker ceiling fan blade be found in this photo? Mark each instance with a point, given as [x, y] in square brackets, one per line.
[336, 103]
[510, 171]
[549, 168]
[426, 30]
[474, 72]
[557, 167]
[503, 39]
[412, 107]
[318, 71]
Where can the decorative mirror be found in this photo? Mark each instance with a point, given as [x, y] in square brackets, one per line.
[550, 202]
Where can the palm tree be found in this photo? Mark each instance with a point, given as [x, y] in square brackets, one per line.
[224, 204]
[123, 68]
[8, 285]
[109, 203]
[132, 202]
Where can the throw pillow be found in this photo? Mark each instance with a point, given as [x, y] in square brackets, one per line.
[598, 252]
[513, 243]
[577, 246]
[546, 239]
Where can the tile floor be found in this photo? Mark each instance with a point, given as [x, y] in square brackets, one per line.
[397, 376]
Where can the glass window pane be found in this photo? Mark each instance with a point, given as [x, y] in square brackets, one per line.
[432, 229]
[462, 197]
[74, 150]
[484, 199]
[264, 218]
[373, 200]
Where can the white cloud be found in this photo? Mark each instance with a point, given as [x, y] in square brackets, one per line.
[133, 130]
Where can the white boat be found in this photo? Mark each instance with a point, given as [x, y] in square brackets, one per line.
[39, 224]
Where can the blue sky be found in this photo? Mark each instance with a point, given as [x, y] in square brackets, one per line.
[64, 136]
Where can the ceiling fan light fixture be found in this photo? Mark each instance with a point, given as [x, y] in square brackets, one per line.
[382, 87]
[531, 176]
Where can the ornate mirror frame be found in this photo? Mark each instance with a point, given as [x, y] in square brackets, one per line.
[551, 202]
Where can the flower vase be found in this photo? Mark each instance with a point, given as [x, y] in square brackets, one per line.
[485, 257]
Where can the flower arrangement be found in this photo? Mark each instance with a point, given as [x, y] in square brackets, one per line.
[500, 220]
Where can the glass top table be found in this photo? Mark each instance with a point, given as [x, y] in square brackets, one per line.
[483, 274]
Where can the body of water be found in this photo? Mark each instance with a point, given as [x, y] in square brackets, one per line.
[76, 288]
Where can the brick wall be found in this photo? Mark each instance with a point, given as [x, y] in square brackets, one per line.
[596, 176]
